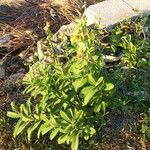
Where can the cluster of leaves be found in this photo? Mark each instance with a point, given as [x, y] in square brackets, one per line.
[129, 37]
[68, 101]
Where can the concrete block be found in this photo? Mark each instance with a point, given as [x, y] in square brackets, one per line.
[110, 12]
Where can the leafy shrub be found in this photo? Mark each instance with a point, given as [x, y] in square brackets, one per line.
[67, 100]
[126, 37]
[71, 95]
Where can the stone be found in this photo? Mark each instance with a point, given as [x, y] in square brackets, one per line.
[110, 59]
[2, 72]
[66, 30]
[110, 12]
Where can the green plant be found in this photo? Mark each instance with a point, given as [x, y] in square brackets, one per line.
[127, 37]
[130, 50]
[2, 123]
[68, 100]
[145, 125]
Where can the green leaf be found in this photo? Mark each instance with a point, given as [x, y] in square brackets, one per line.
[25, 110]
[67, 129]
[89, 96]
[97, 107]
[22, 108]
[25, 118]
[62, 139]
[100, 80]
[92, 131]
[28, 105]
[113, 47]
[87, 89]
[78, 114]
[19, 127]
[32, 128]
[109, 86]
[29, 89]
[16, 128]
[43, 117]
[91, 80]
[104, 104]
[37, 108]
[54, 133]
[64, 116]
[79, 83]
[86, 136]
[44, 130]
[75, 142]
[36, 116]
[13, 114]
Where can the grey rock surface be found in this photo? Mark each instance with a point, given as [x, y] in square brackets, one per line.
[110, 12]
[64, 30]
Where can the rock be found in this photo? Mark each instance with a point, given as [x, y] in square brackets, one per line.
[110, 59]
[2, 72]
[66, 30]
[110, 12]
